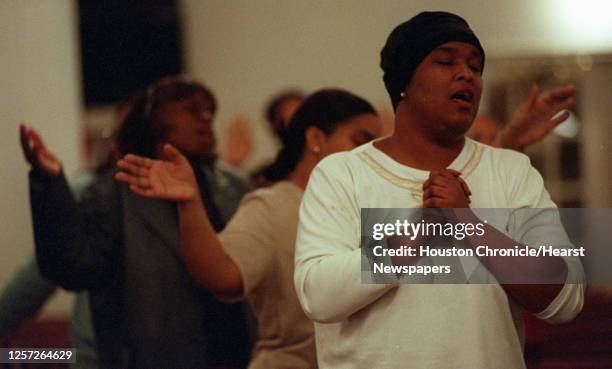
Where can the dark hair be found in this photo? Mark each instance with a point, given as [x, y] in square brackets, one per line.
[272, 110]
[141, 131]
[325, 109]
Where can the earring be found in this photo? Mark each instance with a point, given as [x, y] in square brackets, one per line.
[316, 149]
[403, 94]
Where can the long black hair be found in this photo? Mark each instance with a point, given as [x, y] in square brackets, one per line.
[141, 131]
[325, 109]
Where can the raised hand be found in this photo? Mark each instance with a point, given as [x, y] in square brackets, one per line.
[170, 179]
[238, 141]
[36, 152]
[536, 116]
[446, 189]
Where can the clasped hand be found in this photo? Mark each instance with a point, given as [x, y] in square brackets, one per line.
[446, 189]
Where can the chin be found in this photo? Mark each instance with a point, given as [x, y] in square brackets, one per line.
[465, 121]
[451, 133]
[459, 128]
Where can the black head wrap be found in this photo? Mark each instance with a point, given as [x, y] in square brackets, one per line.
[412, 41]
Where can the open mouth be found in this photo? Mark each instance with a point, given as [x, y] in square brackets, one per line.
[463, 96]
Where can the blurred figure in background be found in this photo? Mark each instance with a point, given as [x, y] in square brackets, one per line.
[535, 117]
[280, 109]
[240, 139]
[27, 291]
[279, 112]
[126, 250]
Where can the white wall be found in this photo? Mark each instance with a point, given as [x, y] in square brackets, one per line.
[40, 85]
[248, 50]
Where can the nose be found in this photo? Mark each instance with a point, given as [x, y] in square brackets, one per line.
[464, 72]
[207, 116]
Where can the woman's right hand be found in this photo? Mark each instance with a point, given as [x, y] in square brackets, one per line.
[170, 179]
[36, 153]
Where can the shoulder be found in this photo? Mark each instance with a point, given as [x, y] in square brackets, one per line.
[342, 164]
[336, 179]
[513, 174]
[504, 158]
[344, 171]
[280, 193]
[266, 210]
[502, 165]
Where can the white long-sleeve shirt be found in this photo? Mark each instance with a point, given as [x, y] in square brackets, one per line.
[359, 325]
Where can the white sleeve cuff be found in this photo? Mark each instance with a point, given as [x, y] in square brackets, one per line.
[565, 306]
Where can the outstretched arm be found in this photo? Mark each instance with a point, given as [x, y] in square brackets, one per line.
[173, 179]
[537, 116]
[75, 243]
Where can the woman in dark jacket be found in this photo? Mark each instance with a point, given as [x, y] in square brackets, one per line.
[125, 250]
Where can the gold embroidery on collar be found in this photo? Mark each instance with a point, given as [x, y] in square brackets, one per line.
[414, 186]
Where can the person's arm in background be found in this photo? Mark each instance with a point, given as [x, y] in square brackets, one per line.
[238, 141]
[76, 243]
[536, 117]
